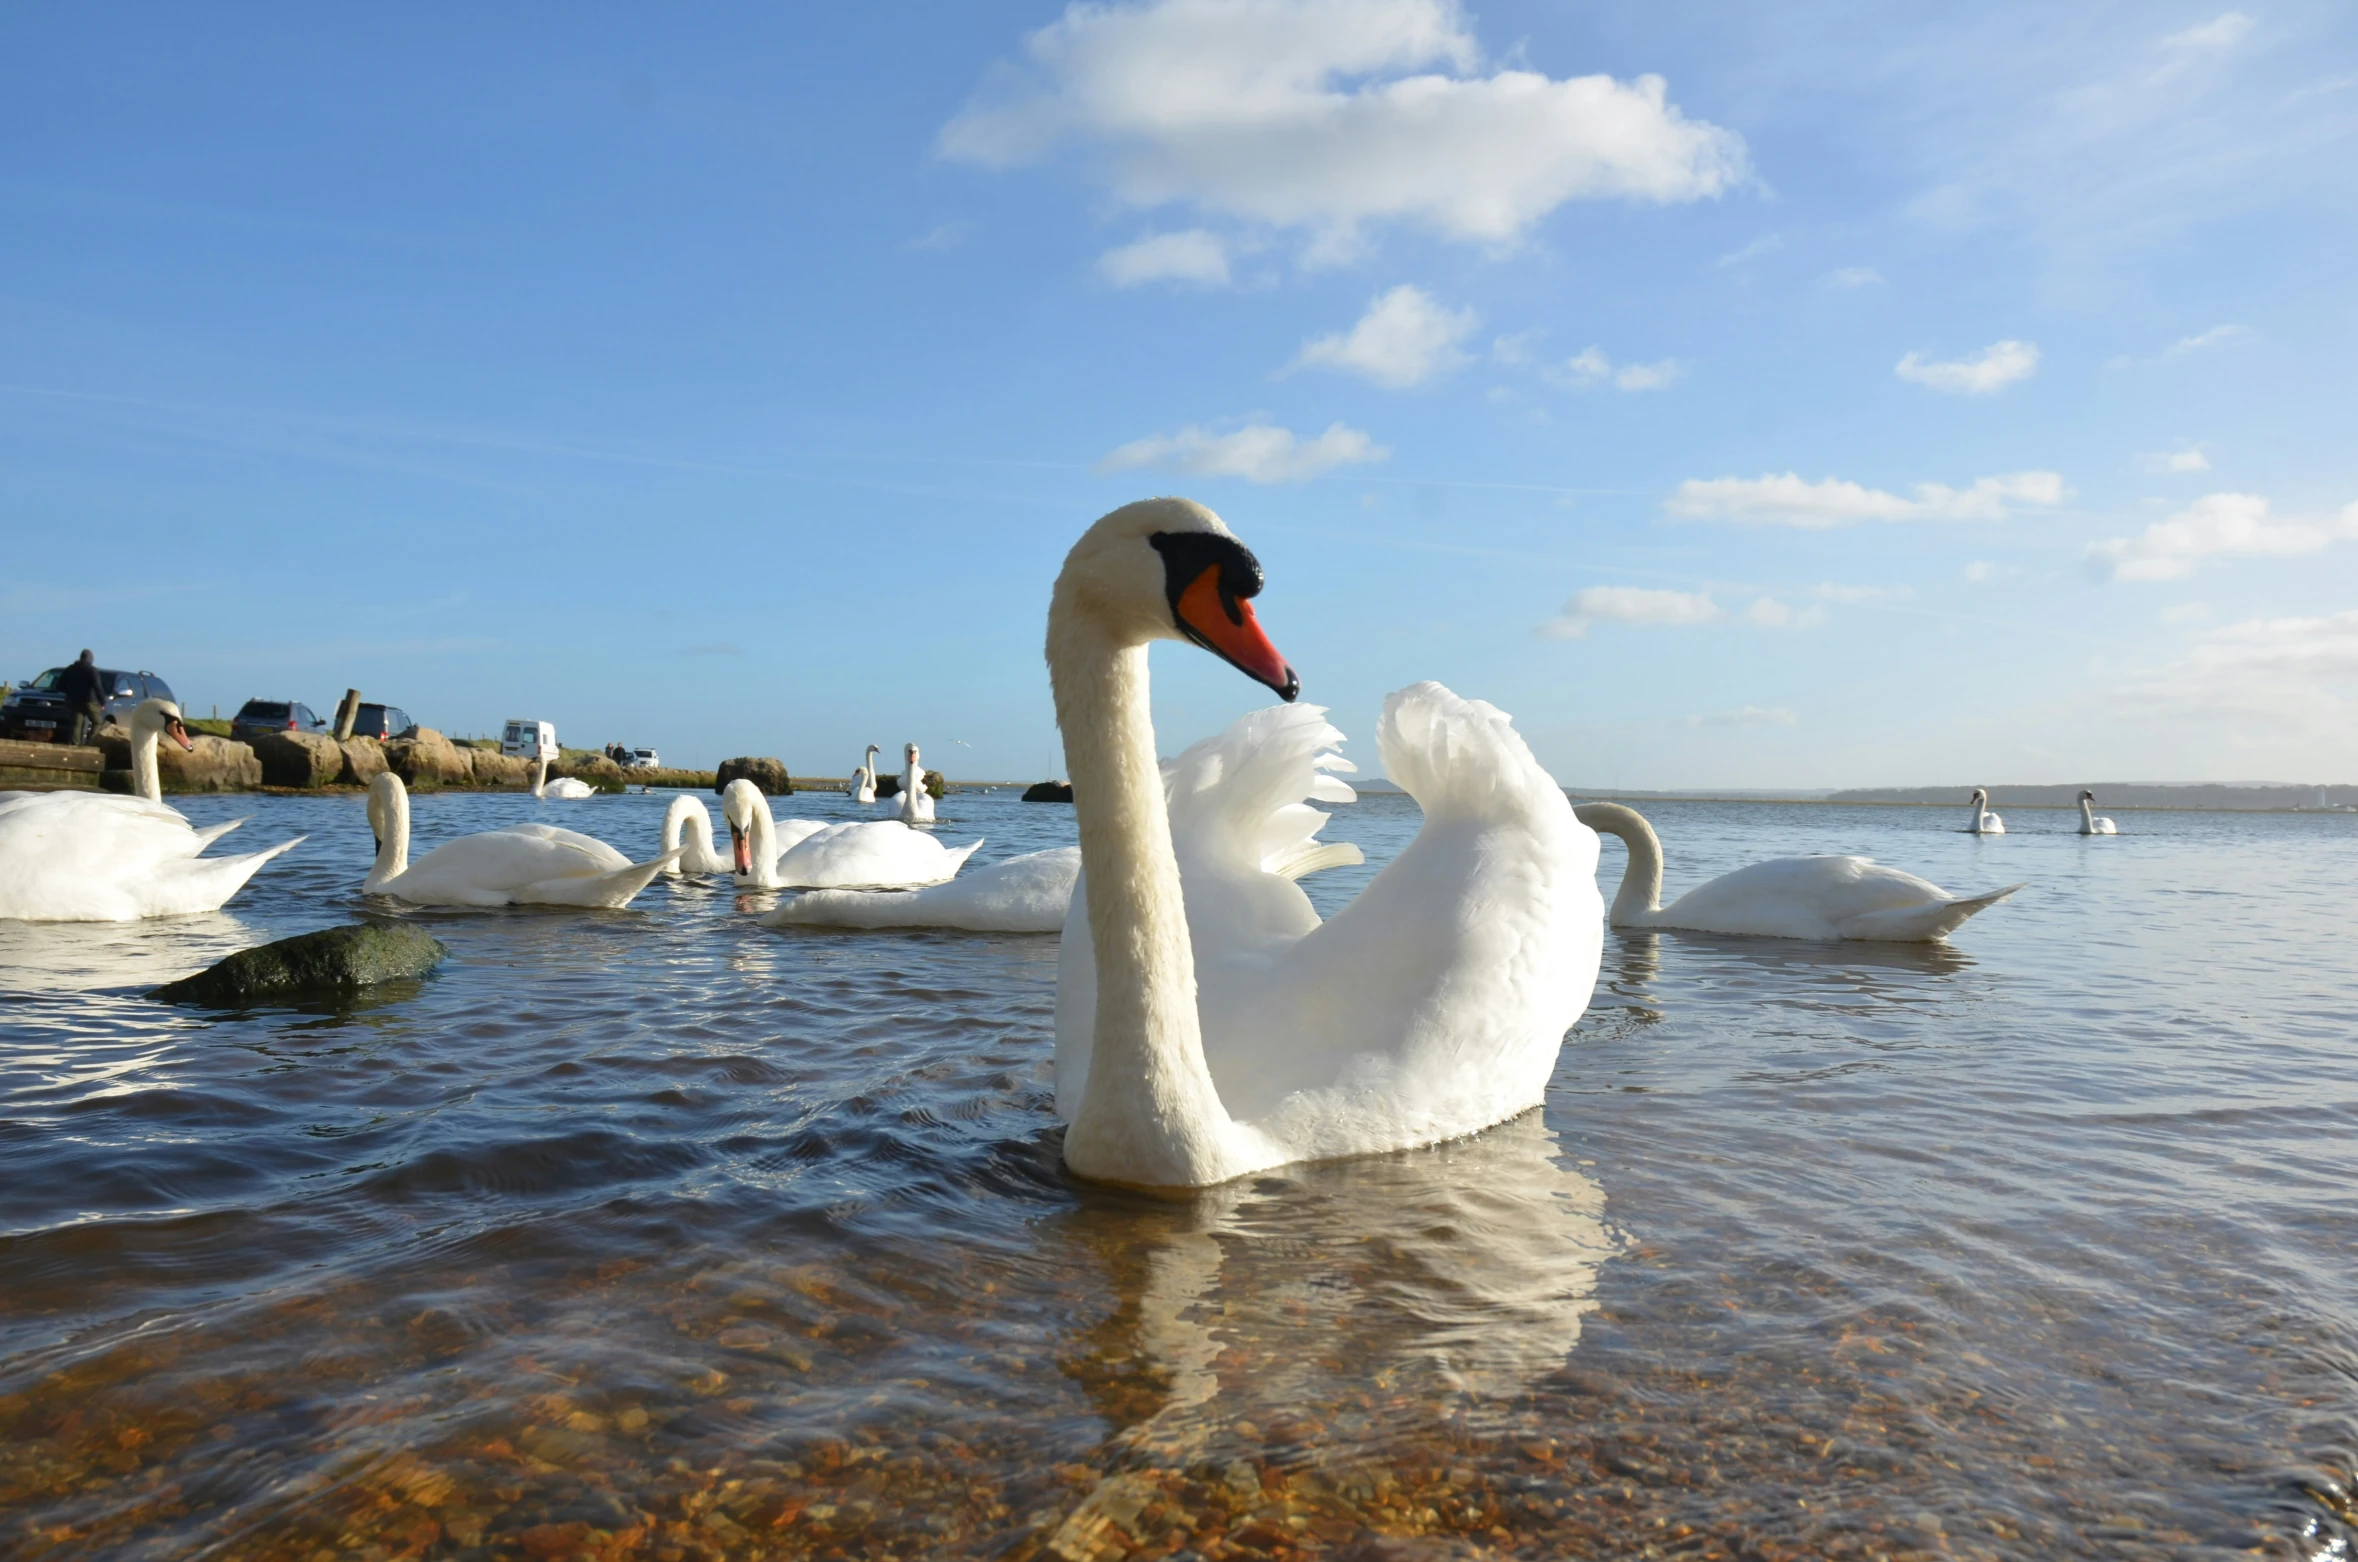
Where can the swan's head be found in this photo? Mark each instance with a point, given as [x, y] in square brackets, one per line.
[1980, 796]
[909, 752]
[739, 803]
[2087, 796]
[1167, 569]
[161, 716]
[388, 803]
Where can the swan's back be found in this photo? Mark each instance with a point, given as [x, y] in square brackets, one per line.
[509, 859]
[1027, 894]
[1797, 897]
[869, 853]
[97, 857]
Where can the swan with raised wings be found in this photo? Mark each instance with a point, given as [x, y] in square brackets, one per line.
[1212, 1026]
[1984, 822]
[524, 864]
[916, 802]
[687, 829]
[862, 785]
[1790, 897]
[96, 857]
[865, 854]
[564, 788]
[2090, 824]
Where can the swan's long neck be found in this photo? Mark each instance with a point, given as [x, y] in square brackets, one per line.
[762, 831]
[1150, 1114]
[146, 779]
[2087, 817]
[392, 841]
[1981, 812]
[676, 819]
[1640, 895]
[540, 776]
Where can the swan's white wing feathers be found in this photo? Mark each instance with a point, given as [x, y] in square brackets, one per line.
[1027, 894]
[1830, 897]
[97, 857]
[524, 862]
[872, 854]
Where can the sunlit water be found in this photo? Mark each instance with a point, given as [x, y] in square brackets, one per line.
[657, 1233]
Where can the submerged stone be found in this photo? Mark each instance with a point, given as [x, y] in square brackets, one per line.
[334, 960]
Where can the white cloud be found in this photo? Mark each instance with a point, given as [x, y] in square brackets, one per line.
[2266, 672]
[1981, 572]
[1629, 605]
[1994, 368]
[2213, 337]
[1590, 366]
[2224, 31]
[1405, 338]
[1746, 716]
[2217, 524]
[2190, 459]
[1828, 591]
[1766, 244]
[1769, 613]
[1854, 276]
[1190, 255]
[1324, 115]
[1789, 500]
[1514, 351]
[1259, 452]
[2186, 613]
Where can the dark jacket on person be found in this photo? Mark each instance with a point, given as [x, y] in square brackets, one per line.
[85, 687]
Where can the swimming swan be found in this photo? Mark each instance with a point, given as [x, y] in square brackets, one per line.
[1984, 822]
[866, 854]
[916, 802]
[97, 857]
[1208, 1024]
[1789, 897]
[524, 864]
[1026, 894]
[565, 788]
[687, 829]
[862, 786]
[2089, 823]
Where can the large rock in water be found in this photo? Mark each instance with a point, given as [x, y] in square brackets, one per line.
[298, 759]
[1048, 792]
[334, 962]
[215, 765]
[935, 786]
[493, 768]
[364, 761]
[428, 760]
[768, 774]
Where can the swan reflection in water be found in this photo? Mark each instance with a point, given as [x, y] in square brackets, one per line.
[50, 958]
[1460, 1272]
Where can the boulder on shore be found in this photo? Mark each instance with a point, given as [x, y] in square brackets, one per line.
[768, 774]
[493, 768]
[214, 765]
[428, 760]
[1048, 792]
[364, 761]
[596, 769]
[298, 759]
[333, 962]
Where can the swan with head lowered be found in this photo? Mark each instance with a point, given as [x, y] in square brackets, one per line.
[862, 785]
[1983, 821]
[524, 864]
[1791, 897]
[866, 854]
[687, 830]
[565, 788]
[2090, 824]
[916, 802]
[97, 857]
[1208, 1024]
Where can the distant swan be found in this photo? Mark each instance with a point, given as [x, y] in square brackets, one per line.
[96, 857]
[565, 788]
[1789, 897]
[1984, 822]
[870, 854]
[2089, 823]
[687, 829]
[524, 864]
[916, 802]
[863, 780]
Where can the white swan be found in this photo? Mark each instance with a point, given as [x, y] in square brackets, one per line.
[1213, 1028]
[687, 829]
[565, 788]
[862, 786]
[1984, 822]
[2089, 823]
[96, 857]
[1790, 897]
[916, 802]
[524, 864]
[1026, 894]
[868, 854]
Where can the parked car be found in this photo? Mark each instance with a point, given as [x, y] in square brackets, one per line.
[526, 739]
[383, 721]
[259, 716]
[36, 713]
[643, 759]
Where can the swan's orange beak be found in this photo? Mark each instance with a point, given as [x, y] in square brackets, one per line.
[1223, 624]
[180, 735]
[744, 849]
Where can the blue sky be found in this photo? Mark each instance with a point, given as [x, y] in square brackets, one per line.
[1825, 395]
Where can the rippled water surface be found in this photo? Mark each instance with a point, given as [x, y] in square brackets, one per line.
[656, 1233]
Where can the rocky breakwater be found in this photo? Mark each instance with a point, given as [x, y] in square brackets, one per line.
[428, 760]
[302, 760]
[768, 774]
[214, 765]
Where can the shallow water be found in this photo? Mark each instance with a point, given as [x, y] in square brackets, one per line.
[657, 1233]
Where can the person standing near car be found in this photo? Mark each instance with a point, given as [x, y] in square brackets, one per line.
[85, 691]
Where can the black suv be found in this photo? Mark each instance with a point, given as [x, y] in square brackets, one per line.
[37, 713]
[383, 721]
[259, 716]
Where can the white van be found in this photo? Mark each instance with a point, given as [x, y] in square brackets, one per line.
[529, 740]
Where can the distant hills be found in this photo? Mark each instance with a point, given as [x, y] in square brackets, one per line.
[2244, 796]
